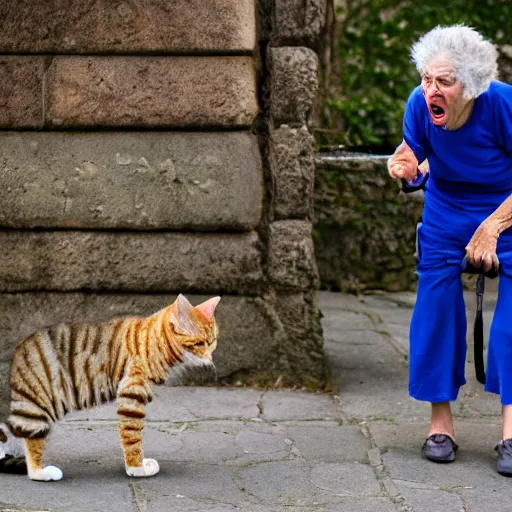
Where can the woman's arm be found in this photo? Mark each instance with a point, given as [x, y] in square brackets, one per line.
[413, 149]
[481, 249]
[482, 246]
[403, 163]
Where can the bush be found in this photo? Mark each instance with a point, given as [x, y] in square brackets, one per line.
[363, 97]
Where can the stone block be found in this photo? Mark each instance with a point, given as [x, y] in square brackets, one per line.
[302, 345]
[298, 22]
[251, 329]
[150, 92]
[103, 26]
[21, 91]
[130, 180]
[5, 397]
[151, 262]
[292, 164]
[291, 256]
[294, 85]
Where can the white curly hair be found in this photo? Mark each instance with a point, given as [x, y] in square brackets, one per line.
[473, 57]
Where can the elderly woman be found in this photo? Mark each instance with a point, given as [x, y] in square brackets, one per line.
[460, 119]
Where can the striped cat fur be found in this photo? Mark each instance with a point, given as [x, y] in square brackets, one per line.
[70, 367]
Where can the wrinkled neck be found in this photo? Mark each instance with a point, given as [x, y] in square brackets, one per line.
[462, 115]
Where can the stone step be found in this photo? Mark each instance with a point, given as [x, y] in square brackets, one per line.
[92, 26]
[150, 92]
[130, 180]
[123, 261]
[127, 92]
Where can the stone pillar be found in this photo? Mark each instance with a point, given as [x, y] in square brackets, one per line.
[291, 88]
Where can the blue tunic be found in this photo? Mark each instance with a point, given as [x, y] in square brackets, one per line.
[470, 176]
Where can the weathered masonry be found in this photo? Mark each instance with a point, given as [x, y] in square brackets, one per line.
[158, 147]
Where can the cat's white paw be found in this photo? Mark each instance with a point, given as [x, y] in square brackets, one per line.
[47, 474]
[149, 467]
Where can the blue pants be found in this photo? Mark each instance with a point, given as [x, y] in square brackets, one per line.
[438, 325]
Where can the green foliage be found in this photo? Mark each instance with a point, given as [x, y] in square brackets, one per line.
[364, 230]
[364, 98]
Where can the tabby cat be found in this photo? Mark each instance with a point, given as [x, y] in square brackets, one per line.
[69, 367]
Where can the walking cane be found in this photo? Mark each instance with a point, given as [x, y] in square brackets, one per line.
[478, 327]
[467, 268]
[478, 331]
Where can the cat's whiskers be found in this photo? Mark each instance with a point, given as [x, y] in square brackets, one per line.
[192, 368]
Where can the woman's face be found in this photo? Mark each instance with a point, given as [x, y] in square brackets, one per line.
[443, 92]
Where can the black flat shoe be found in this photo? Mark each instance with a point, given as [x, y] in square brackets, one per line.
[440, 448]
[504, 462]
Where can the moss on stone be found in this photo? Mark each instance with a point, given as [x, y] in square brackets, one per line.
[364, 232]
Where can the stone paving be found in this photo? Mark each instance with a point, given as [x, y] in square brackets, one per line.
[246, 450]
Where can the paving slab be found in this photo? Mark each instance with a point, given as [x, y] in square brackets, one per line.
[182, 404]
[345, 504]
[285, 405]
[328, 444]
[495, 498]
[95, 489]
[336, 302]
[344, 321]
[200, 482]
[426, 500]
[294, 483]
[370, 376]
[346, 479]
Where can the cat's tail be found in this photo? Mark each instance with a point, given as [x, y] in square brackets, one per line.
[12, 459]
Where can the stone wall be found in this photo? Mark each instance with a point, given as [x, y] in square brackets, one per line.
[365, 230]
[152, 148]
[505, 63]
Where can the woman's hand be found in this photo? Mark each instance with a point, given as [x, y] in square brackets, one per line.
[481, 249]
[403, 163]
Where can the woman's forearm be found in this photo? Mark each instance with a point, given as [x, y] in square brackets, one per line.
[501, 219]
[481, 249]
[403, 163]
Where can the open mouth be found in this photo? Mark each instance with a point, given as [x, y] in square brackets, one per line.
[438, 114]
[436, 110]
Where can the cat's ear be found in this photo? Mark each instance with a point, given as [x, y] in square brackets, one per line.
[207, 308]
[180, 316]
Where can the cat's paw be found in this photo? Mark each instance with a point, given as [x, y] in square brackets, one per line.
[149, 467]
[47, 474]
